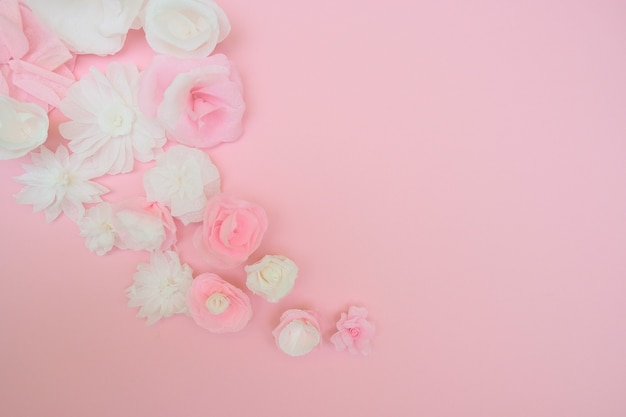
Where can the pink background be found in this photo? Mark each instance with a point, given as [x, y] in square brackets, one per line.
[457, 167]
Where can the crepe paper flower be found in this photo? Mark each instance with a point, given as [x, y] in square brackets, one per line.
[35, 66]
[59, 182]
[232, 230]
[89, 27]
[354, 332]
[198, 101]
[23, 127]
[129, 224]
[160, 287]
[272, 277]
[184, 28]
[106, 122]
[298, 332]
[218, 306]
[183, 179]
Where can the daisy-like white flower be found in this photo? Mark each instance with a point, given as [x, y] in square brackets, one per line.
[160, 287]
[106, 121]
[183, 179]
[59, 182]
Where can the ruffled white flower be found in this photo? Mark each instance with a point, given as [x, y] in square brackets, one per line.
[88, 27]
[183, 179]
[97, 227]
[23, 127]
[128, 224]
[160, 287]
[185, 28]
[106, 121]
[59, 182]
[272, 277]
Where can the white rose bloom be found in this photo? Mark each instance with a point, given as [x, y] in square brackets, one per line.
[272, 277]
[184, 28]
[183, 179]
[23, 127]
[88, 26]
[138, 230]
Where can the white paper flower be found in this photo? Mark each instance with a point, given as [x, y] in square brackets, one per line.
[185, 28]
[97, 228]
[183, 179]
[106, 121]
[160, 287]
[59, 182]
[23, 127]
[89, 26]
[128, 224]
[272, 277]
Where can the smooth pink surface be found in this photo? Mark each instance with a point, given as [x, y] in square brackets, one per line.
[458, 168]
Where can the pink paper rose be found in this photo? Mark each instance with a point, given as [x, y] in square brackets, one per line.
[231, 231]
[35, 66]
[354, 331]
[298, 332]
[218, 306]
[198, 101]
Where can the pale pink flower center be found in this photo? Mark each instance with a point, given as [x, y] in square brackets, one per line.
[354, 331]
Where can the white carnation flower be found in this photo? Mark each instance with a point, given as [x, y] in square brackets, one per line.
[59, 182]
[185, 28]
[97, 228]
[88, 27]
[183, 179]
[106, 121]
[160, 287]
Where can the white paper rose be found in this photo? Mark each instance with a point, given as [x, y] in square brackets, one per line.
[185, 28]
[298, 332]
[88, 26]
[23, 127]
[272, 277]
[183, 179]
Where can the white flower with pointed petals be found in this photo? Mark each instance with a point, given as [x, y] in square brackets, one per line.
[183, 179]
[160, 287]
[59, 182]
[106, 121]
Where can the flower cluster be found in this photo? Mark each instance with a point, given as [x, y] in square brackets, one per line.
[186, 100]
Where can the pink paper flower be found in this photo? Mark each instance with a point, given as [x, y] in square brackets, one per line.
[298, 332]
[354, 331]
[35, 66]
[198, 101]
[231, 231]
[218, 306]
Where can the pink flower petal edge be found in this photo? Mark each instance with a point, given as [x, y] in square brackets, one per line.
[354, 332]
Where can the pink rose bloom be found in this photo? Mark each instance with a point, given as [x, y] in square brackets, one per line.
[35, 66]
[354, 331]
[298, 332]
[231, 231]
[218, 306]
[198, 101]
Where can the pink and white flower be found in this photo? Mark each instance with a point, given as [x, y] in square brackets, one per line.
[106, 122]
[35, 66]
[218, 306]
[160, 287]
[232, 230]
[298, 332]
[354, 332]
[198, 101]
[59, 182]
[183, 179]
